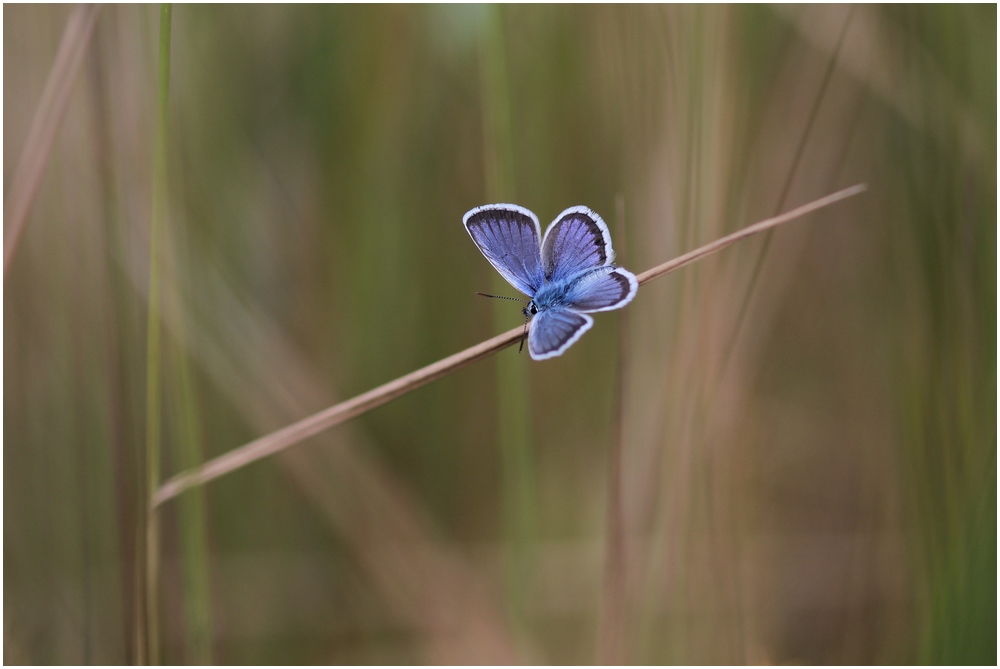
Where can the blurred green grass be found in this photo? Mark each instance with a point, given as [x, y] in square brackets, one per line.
[820, 488]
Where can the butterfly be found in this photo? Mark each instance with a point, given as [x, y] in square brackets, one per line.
[567, 275]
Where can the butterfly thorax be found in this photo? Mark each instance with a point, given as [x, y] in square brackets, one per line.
[550, 295]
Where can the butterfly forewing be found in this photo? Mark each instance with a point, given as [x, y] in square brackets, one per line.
[577, 240]
[602, 289]
[555, 330]
[508, 236]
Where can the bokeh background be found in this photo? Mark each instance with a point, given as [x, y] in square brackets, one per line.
[785, 453]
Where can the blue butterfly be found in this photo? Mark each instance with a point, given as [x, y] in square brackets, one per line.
[567, 276]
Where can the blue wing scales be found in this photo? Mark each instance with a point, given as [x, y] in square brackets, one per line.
[508, 236]
[577, 240]
[602, 289]
[555, 330]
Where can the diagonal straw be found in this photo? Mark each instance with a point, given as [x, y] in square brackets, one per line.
[277, 441]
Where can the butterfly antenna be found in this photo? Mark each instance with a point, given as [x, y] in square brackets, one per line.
[526, 318]
[501, 297]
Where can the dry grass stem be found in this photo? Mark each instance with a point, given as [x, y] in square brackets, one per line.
[767, 224]
[339, 413]
[279, 440]
[44, 125]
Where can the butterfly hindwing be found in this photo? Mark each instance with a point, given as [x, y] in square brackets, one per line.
[577, 240]
[602, 289]
[508, 236]
[555, 330]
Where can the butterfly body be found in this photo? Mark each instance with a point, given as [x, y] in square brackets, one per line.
[550, 296]
[567, 274]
